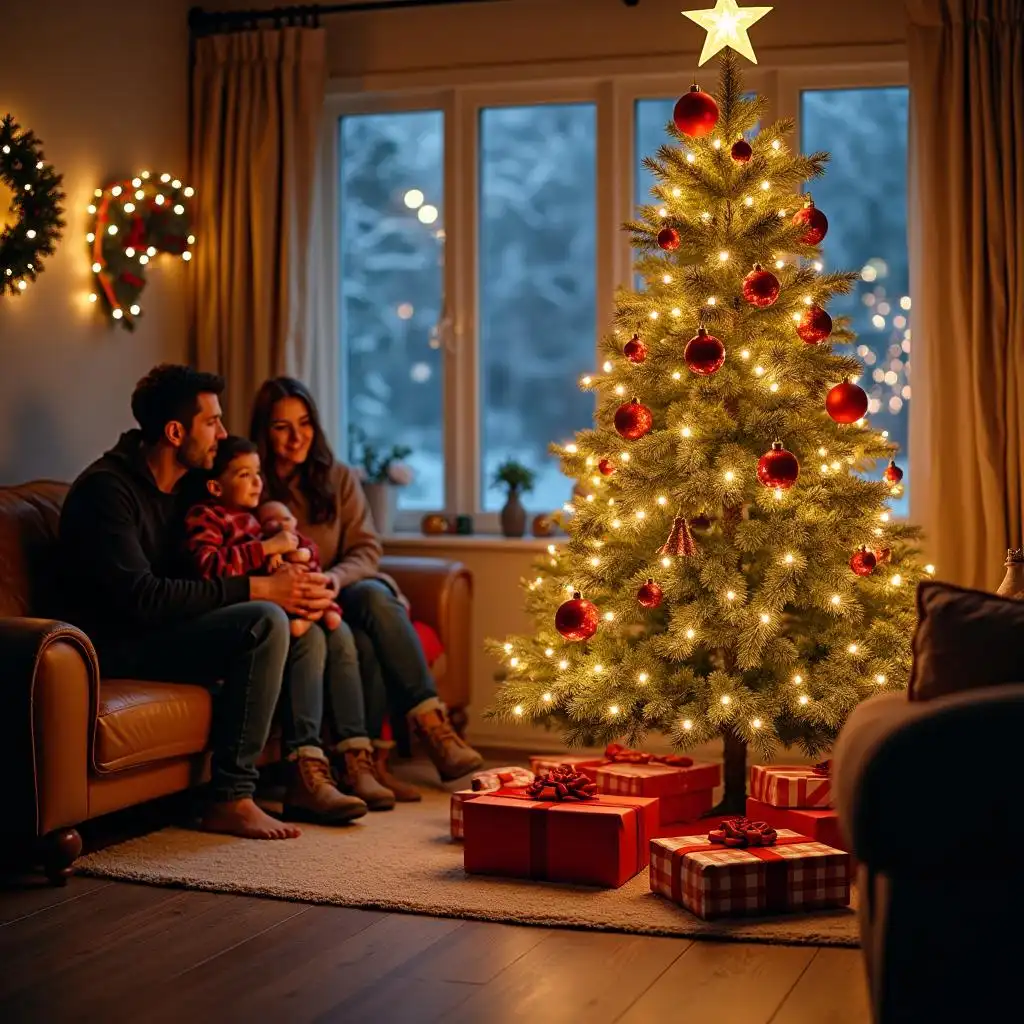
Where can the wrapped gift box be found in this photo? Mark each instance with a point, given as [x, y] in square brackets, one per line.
[510, 777]
[458, 801]
[683, 794]
[790, 786]
[602, 841]
[711, 880]
[819, 823]
[585, 764]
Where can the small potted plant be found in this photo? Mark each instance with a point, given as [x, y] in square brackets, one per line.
[516, 479]
[382, 473]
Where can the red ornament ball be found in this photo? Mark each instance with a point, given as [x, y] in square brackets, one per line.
[813, 221]
[606, 467]
[778, 468]
[846, 402]
[863, 562]
[650, 595]
[633, 420]
[668, 239]
[741, 151]
[577, 619]
[814, 325]
[704, 353]
[893, 473]
[760, 287]
[696, 113]
[635, 350]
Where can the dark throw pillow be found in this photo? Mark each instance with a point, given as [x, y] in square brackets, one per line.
[965, 639]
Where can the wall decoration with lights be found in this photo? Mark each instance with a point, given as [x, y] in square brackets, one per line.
[133, 222]
[31, 215]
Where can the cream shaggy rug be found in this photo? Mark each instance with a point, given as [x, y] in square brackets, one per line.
[404, 860]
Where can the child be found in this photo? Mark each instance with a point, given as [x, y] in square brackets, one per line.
[224, 538]
[276, 518]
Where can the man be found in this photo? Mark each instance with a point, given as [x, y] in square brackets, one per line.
[121, 531]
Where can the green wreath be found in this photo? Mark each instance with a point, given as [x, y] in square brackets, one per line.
[35, 204]
[134, 221]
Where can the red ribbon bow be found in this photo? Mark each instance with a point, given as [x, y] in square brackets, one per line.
[824, 769]
[739, 832]
[564, 782]
[622, 755]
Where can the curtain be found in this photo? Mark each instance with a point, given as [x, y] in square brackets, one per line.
[257, 105]
[966, 215]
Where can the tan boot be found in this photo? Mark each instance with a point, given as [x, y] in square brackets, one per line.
[404, 793]
[311, 794]
[357, 773]
[453, 757]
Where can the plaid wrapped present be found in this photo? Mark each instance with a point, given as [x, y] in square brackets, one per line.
[791, 785]
[586, 764]
[819, 823]
[510, 777]
[683, 793]
[456, 814]
[713, 880]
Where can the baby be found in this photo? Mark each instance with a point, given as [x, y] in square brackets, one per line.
[275, 519]
[224, 538]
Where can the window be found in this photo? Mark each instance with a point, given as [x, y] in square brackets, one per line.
[391, 206]
[864, 194]
[537, 287]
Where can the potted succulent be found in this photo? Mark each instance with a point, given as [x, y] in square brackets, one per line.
[516, 479]
[382, 473]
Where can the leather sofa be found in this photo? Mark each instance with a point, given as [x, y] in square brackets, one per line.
[926, 793]
[79, 745]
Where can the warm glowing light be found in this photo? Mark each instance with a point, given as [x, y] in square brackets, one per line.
[518, 709]
[773, 387]
[607, 367]
[765, 618]
[726, 24]
[654, 314]
[690, 634]
[135, 310]
[798, 679]
[690, 158]
[884, 517]
[686, 432]
[165, 178]
[712, 300]
[804, 699]
[616, 523]
[552, 549]
[93, 297]
[640, 513]
[585, 381]
[143, 259]
[666, 562]
[619, 389]
[730, 595]
[642, 678]
[613, 709]
[897, 580]
[756, 723]
[823, 452]
[159, 200]
[548, 652]
[666, 279]
[729, 476]
[687, 724]
[776, 145]
[726, 699]
[758, 371]
[91, 208]
[427, 214]
[836, 599]
[779, 493]
[90, 237]
[546, 697]
[853, 648]
[779, 264]
[563, 665]
[745, 354]
[595, 562]
[676, 193]
[717, 144]
[765, 185]
[624, 456]
[609, 616]
[880, 679]
[189, 192]
[112, 230]
[662, 500]
[748, 201]
[598, 669]
[129, 207]
[930, 569]
[723, 256]
[179, 209]
[186, 256]
[96, 268]
[514, 662]
[788, 559]
[117, 314]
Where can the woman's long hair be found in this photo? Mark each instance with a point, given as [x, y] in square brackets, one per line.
[313, 475]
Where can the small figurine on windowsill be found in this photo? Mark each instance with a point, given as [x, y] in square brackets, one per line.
[1013, 581]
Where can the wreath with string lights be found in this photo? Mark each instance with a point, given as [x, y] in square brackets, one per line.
[32, 218]
[132, 223]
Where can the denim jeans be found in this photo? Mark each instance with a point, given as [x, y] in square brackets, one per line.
[394, 673]
[246, 656]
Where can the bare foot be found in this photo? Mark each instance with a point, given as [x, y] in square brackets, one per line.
[245, 819]
[300, 627]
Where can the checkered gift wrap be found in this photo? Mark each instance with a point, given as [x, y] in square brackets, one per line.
[585, 764]
[510, 777]
[684, 793]
[459, 799]
[711, 880]
[790, 786]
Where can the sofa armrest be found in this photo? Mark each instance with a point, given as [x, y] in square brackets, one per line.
[919, 784]
[49, 694]
[440, 592]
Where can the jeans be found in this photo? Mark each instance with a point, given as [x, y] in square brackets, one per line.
[244, 653]
[394, 673]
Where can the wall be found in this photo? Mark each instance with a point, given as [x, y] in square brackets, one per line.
[104, 85]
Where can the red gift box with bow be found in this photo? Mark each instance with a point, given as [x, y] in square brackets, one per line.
[587, 764]
[593, 840]
[819, 823]
[712, 877]
[792, 785]
[511, 777]
[684, 792]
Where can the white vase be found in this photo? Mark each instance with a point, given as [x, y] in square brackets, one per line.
[383, 502]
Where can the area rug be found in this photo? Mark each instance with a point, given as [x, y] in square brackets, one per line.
[404, 860]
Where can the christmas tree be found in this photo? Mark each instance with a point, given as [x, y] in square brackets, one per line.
[731, 569]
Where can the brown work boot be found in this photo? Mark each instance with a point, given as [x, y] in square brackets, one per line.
[312, 795]
[453, 757]
[404, 793]
[357, 773]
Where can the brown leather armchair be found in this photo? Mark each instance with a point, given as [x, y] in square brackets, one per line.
[78, 745]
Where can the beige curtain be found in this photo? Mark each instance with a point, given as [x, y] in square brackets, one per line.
[257, 107]
[967, 281]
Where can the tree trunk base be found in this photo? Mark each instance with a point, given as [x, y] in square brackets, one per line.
[730, 806]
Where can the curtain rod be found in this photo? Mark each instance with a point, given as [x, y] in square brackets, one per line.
[202, 22]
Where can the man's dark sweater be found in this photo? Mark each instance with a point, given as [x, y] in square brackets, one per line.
[120, 539]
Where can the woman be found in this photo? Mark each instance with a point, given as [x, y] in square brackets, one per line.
[374, 660]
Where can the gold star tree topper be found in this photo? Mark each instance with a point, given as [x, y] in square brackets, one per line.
[726, 25]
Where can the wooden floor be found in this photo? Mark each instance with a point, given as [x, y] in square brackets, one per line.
[112, 952]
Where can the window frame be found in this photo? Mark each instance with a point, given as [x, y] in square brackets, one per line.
[615, 92]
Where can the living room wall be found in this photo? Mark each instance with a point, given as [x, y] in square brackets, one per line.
[104, 85]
